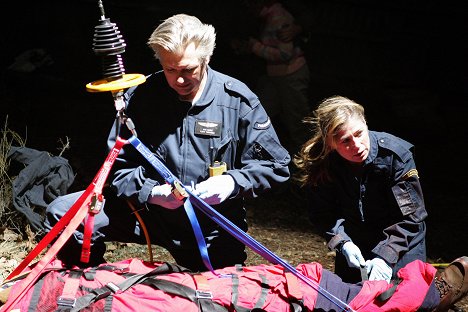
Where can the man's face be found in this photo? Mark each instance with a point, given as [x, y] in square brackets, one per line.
[183, 72]
[352, 141]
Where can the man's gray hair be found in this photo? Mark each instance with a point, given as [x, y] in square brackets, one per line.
[175, 33]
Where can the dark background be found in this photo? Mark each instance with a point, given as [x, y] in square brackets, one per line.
[405, 61]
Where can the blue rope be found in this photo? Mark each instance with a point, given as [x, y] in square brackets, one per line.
[198, 235]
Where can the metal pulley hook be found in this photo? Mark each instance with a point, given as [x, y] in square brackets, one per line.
[119, 104]
[124, 119]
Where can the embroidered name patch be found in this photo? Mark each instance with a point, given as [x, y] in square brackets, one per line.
[208, 128]
[412, 172]
[263, 125]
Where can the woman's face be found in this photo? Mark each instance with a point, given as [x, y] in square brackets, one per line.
[352, 141]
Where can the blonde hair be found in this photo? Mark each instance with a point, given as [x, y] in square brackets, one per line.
[313, 158]
[177, 32]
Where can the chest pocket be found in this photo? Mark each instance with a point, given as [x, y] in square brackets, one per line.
[377, 194]
[225, 150]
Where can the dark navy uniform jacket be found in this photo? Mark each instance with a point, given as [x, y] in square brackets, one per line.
[381, 208]
[227, 123]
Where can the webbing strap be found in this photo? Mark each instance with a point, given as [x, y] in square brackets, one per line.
[110, 288]
[70, 221]
[230, 227]
[68, 297]
[49, 255]
[138, 278]
[235, 289]
[203, 292]
[261, 299]
[36, 295]
[205, 304]
[95, 206]
[171, 179]
[198, 235]
[389, 292]
[263, 296]
[64, 221]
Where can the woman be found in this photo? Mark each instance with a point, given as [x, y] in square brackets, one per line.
[365, 192]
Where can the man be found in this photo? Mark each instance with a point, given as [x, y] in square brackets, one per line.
[190, 116]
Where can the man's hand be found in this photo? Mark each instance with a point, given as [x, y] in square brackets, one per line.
[215, 189]
[353, 255]
[378, 270]
[161, 195]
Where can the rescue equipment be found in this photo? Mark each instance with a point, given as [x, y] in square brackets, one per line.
[135, 285]
[217, 168]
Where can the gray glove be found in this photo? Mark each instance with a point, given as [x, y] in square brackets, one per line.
[379, 270]
[215, 189]
[162, 195]
[353, 255]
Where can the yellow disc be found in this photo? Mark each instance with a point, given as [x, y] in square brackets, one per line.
[127, 81]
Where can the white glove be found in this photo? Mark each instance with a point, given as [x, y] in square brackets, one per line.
[353, 255]
[162, 195]
[215, 189]
[379, 270]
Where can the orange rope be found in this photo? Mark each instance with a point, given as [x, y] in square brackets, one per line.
[143, 227]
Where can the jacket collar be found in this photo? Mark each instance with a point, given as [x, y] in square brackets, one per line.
[209, 91]
[374, 147]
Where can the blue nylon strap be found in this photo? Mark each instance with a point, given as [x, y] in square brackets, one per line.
[231, 228]
[198, 235]
[153, 160]
[170, 178]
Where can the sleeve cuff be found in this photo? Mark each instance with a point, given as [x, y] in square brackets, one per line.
[387, 253]
[337, 242]
[145, 191]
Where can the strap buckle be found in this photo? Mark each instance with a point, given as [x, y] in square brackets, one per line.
[364, 276]
[105, 291]
[200, 294]
[67, 302]
[97, 201]
[178, 191]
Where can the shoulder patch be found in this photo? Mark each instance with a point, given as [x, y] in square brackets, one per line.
[263, 125]
[412, 172]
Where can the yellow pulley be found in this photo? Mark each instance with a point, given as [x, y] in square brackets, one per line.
[127, 81]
